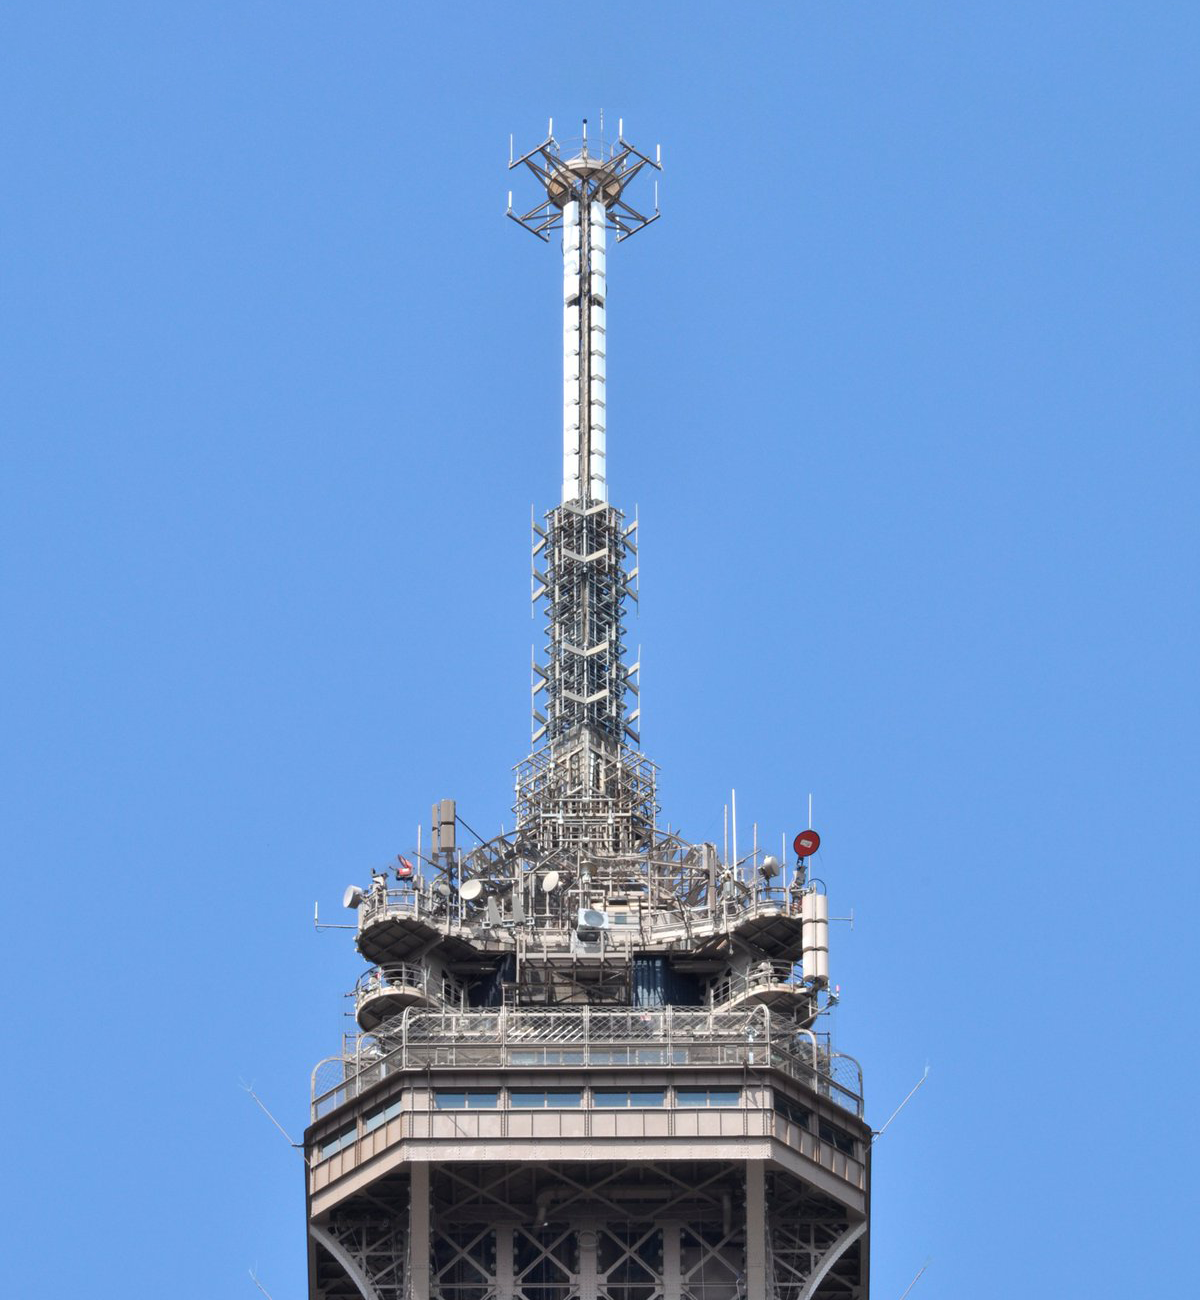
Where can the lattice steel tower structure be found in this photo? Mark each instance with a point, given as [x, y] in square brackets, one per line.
[587, 1062]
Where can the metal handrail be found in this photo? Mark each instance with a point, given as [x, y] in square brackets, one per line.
[393, 902]
[587, 1036]
[421, 903]
[766, 974]
[407, 975]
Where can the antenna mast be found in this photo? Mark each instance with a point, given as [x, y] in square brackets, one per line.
[584, 558]
[588, 1062]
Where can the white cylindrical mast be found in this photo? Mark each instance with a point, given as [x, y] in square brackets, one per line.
[572, 369]
[584, 327]
[597, 422]
[585, 197]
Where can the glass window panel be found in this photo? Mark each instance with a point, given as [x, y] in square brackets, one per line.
[544, 1098]
[840, 1139]
[338, 1142]
[610, 1097]
[475, 1099]
[792, 1111]
[623, 1098]
[708, 1096]
[447, 1099]
[381, 1116]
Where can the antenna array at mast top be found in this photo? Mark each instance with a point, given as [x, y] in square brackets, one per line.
[585, 170]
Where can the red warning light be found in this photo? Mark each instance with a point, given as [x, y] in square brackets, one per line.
[806, 843]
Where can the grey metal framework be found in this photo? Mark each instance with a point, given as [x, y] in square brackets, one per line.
[587, 1061]
[586, 550]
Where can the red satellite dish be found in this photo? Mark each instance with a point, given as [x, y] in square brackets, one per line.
[806, 843]
[404, 870]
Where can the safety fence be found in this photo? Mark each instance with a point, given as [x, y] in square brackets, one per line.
[584, 1037]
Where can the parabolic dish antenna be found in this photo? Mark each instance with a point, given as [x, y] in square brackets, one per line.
[806, 843]
[550, 882]
[353, 896]
[471, 890]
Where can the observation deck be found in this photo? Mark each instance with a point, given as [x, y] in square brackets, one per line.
[589, 1084]
[588, 1037]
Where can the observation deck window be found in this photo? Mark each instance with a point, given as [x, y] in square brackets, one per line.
[471, 1099]
[376, 1118]
[628, 1098]
[792, 1111]
[711, 1097]
[545, 1098]
[337, 1142]
[842, 1140]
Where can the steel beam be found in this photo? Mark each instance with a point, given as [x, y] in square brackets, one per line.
[756, 1229]
[418, 1231]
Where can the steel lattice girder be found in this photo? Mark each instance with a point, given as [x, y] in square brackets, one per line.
[526, 1231]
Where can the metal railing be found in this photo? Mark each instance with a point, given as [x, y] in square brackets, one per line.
[406, 977]
[764, 975]
[414, 902]
[418, 902]
[586, 1037]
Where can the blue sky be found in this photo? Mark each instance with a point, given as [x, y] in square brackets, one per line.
[904, 387]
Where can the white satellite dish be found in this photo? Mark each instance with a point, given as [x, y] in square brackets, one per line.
[470, 890]
[770, 865]
[550, 882]
[353, 896]
[442, 888]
